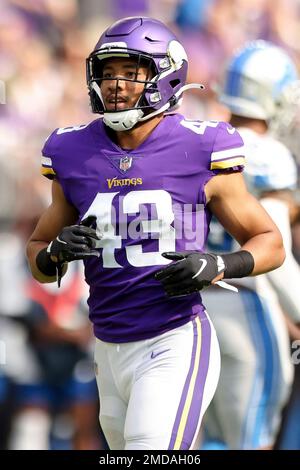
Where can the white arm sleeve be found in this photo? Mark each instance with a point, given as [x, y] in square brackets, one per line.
[286, 279]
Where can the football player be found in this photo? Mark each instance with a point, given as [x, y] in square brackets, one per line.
[128, 190]
[257, 371]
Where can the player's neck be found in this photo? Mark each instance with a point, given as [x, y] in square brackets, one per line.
[132, 138]
[257, 125]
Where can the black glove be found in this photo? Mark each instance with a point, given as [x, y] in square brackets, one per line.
[75, 242]
[190, 273]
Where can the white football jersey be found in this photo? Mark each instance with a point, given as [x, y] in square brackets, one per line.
[270, 166]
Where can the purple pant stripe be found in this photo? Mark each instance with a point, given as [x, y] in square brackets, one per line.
[195, 408]
[196, 404]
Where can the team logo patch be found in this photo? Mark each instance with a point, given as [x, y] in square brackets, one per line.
[125, 163]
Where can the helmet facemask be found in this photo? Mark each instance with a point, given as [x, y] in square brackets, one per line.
[97, 63]
[116, 118]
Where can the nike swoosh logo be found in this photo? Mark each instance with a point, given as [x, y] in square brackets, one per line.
[204, 263]
[230, 130]
[61, 241]
[155, 354]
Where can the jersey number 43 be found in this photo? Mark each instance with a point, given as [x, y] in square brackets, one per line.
[160, 227]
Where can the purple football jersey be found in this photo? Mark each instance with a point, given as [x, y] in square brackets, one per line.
[147, 201]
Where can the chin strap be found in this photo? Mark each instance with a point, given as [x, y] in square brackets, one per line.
[123, 120]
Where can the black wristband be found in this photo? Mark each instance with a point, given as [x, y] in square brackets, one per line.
[45, 263]
[238, 264]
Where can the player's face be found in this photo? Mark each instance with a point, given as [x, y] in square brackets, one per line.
[122, 94]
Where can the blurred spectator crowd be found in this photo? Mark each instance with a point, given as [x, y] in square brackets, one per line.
[43, 47]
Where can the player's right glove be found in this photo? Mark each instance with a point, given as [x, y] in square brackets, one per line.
[75, 242]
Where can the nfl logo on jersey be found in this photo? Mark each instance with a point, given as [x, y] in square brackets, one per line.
[125, 163]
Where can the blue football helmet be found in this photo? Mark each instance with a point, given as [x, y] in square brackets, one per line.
[255, 79]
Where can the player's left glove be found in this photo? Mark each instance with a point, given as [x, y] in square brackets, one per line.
[190, 272]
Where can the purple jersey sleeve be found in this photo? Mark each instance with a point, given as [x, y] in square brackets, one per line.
[47, 160]
[228, 150]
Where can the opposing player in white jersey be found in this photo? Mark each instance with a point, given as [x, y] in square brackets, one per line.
[257, 372]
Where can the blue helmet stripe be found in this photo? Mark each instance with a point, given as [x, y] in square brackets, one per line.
[233, 83]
